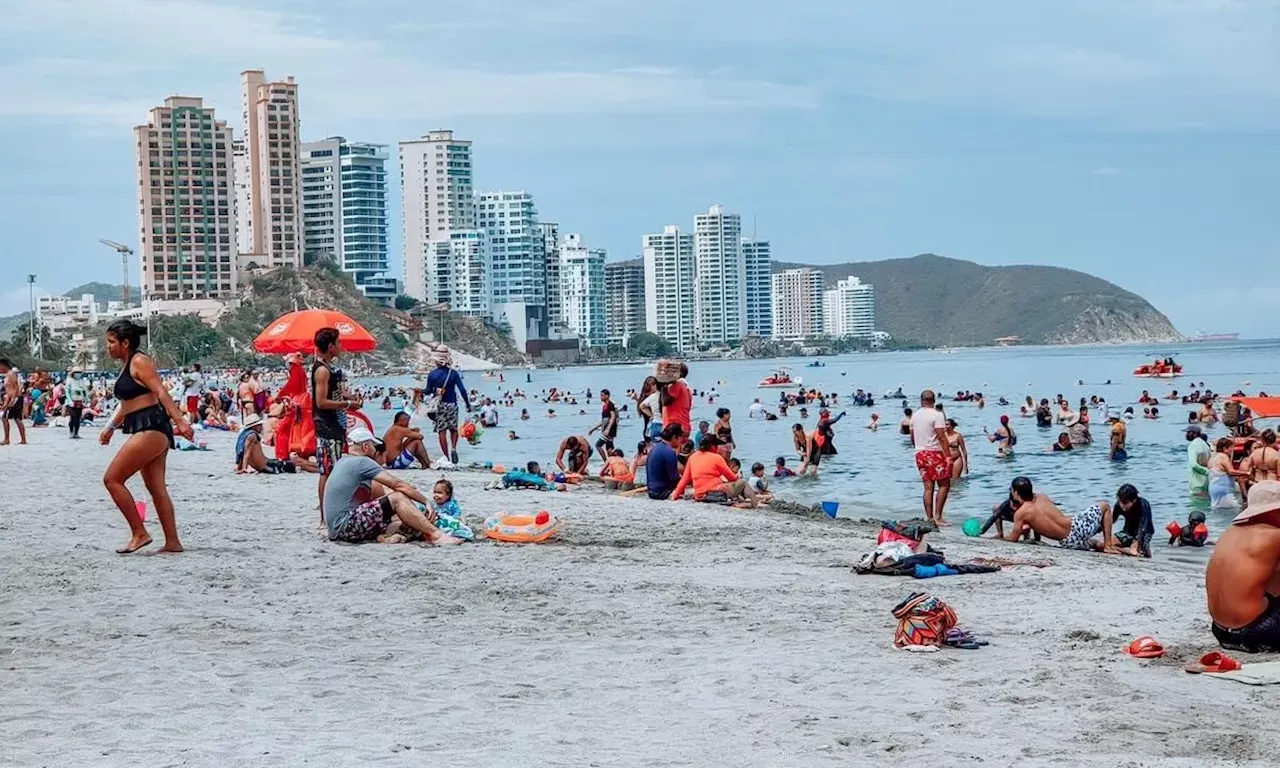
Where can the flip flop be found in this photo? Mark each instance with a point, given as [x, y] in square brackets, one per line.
[1213, 663]
[1145, 647]
[131, 550]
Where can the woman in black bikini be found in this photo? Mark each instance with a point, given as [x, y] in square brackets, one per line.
[148, 415]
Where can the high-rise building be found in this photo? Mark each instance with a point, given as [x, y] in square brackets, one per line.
[550, 232]
[758, 266]
[849, 309]
[720, 279]
[240, 178]
[271, 130]
[458, 272]
[517, 265]
[624, 300]
[436, 199]
[186, 203]
[669, 286]
[582, 290]
[344, 211]
[797, 304]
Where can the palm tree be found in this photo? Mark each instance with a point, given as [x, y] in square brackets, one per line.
[85, 359]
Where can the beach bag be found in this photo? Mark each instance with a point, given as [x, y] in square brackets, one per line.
[431, 401]
[922, 620]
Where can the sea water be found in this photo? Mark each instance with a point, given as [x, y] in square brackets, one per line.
[874, 474]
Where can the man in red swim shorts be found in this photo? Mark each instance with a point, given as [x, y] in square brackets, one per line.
[928, 433]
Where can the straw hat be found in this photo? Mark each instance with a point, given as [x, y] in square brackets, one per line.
[1264, 497]
[252, 420]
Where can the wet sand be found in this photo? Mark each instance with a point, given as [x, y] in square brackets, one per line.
[651, 634]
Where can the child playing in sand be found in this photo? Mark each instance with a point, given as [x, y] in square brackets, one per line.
[759, 484]
[617, 472]
[445, 514]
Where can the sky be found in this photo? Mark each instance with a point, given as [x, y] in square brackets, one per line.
[1131, 139]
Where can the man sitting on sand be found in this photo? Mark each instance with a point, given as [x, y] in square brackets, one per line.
[404, 445]
[352, 509]
[574, 453]
[662, 468]
[250, 458]
[1038, 513]
[1242, 582]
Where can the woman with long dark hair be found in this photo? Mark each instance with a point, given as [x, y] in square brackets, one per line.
[148, 415]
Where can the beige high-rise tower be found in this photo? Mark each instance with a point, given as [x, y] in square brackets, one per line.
[271, 127]
[186, 203]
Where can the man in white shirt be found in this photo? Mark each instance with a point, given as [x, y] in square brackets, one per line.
[193, 381]
[756, 411]
[928, 434]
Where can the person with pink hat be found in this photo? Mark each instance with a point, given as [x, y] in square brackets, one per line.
[1242, 582]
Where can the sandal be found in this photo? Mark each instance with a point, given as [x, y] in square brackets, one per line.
[1213, 663]
[1145, 647]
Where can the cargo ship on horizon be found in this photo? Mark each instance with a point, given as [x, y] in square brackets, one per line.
[1214, 337]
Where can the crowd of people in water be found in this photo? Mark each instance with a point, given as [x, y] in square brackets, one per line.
[362, 499]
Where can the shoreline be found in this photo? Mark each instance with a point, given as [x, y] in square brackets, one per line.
[650, 633]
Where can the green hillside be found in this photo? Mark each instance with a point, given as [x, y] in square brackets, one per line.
[940, 301]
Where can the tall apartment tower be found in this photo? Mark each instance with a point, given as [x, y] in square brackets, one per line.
[797, 304]
[550, 233]
[849, 309]
[582, 290]
[669, 286]
[624, 300]
[186, 203]
[240, 178]
[517, 263]
[436, 200]
[757, 257]
[720, 278]
[458, 272]
[344, 211]
[271, 130]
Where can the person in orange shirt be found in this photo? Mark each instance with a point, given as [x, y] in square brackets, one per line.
[712, 479]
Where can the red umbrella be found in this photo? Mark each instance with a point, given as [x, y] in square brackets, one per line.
[296, 332]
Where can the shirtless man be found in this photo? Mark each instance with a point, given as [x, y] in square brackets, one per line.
[1242, 582]
[1119, 434]
[11, 401]
[573, 455]
[250, 458]
[1038, 513]
[1264, 460]
[404, 445]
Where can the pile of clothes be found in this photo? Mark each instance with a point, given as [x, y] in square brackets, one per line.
[901, 551]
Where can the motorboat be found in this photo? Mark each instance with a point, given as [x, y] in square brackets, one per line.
[1158, 369]
[780, 378]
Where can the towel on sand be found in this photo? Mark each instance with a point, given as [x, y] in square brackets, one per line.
[1262, 673]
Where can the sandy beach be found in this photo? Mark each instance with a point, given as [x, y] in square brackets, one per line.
[650, 634]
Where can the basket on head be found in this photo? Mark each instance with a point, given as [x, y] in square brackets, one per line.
[667, 371]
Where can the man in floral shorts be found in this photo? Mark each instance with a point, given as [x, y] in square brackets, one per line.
[928, 433]
[355, 507]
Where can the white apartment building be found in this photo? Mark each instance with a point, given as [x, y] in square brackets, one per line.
[624, 300]
[550, 233]
[240, 180]
[458, 272]
[720, 279]
[271, 130]
[849, 309]
[186, 216]
[757, 257]
[344, 211]
[436, 200]
[582, 299]
[60, 313]
[797, 304]
[669, 286]
[517, 265]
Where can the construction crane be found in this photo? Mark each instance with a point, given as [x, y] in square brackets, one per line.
[125, 252]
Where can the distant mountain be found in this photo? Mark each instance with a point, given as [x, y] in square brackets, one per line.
[104, 292]
[940, 301]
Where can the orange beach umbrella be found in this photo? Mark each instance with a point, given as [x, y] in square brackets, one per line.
[296, 331]
[1262, 407]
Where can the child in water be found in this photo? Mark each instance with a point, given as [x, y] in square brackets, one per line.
[780, 468]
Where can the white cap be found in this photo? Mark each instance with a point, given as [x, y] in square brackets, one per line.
[360, 435]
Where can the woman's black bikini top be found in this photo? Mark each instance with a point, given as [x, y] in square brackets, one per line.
[127, 388]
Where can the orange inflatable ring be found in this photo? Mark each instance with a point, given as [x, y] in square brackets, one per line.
[522, 529]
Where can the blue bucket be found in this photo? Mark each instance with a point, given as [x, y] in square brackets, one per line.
[831, 508]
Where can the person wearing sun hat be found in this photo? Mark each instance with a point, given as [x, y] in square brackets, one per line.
[1242, 582]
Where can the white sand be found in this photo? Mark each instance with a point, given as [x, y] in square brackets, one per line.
[652, 634]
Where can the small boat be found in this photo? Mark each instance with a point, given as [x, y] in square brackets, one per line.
[1158, 369]
[780, 378]
[816, 364]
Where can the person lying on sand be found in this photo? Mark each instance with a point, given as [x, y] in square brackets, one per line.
[1038, 513]
[574, 453]
[354, 510]
[1242, 581]
[250, 458]
[404, 445]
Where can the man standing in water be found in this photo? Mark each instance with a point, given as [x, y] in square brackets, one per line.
[929, 434]
[11, 401]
